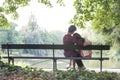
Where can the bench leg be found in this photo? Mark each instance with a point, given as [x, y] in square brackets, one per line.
[54, 67]
[54, 64]
[100, 65]
[9, 60]
[101, 61]
[13, 61]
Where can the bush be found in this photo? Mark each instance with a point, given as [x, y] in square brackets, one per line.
[12, 72]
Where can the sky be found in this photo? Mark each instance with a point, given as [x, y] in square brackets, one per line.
[56, 18]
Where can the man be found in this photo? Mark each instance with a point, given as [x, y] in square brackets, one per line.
[68, 39]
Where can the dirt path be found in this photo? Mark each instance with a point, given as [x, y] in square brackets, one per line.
[109, 70]
[95, 69]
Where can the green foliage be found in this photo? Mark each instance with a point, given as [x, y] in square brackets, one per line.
[4, 22]
[49, 3]
[60, 2]
[8, 35]
[46, 2]
[32, 73]
[104, 16]
[10, 7]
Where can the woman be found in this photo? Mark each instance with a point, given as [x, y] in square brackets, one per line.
[80, 41]
[89, 52]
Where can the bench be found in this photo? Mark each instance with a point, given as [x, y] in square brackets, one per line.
[54, 47]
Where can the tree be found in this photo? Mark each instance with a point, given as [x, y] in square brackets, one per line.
[9, 35]
[104, 16]
[10, 7]
[31, 36]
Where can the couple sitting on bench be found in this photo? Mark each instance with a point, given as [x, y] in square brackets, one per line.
[76, 39]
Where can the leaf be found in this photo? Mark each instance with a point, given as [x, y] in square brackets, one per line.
[4, 22]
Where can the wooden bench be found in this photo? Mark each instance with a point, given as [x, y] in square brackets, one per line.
[54, 47]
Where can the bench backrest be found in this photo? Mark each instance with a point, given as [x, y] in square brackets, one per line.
[54, 46]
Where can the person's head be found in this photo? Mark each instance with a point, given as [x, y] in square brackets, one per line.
[77, 36]
[83, 39]
[72, 29]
